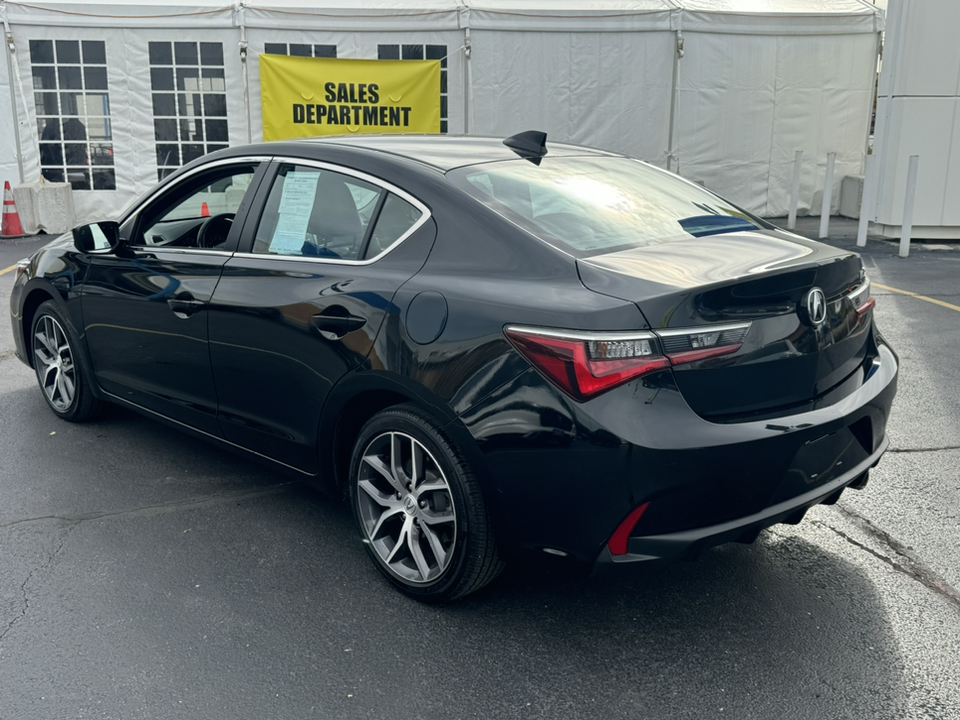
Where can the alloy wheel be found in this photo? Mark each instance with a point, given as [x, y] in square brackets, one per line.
[55, 363]
[406, 508]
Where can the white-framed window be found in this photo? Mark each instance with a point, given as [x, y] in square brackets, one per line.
[189, 101]
[300, 50]
[73, 112]
[422, 52]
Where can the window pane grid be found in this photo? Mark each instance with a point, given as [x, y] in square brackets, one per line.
[188, 81]
[300, 50]
[72, 105]
[422, 52]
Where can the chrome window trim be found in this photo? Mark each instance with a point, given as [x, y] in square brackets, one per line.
[182, 251]
[601, 335]
[596, 336]
[700, 329]
[350, 172]
[246, 159]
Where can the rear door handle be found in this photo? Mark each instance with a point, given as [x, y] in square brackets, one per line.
[185, 305]
[334, 327]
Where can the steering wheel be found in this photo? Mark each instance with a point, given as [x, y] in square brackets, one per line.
[214, 230]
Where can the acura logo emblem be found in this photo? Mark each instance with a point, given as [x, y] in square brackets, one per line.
[816, 306]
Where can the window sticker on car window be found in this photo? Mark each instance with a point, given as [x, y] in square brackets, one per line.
[296, 205]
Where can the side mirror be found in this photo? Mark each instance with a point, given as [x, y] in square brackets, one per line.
[98, 237]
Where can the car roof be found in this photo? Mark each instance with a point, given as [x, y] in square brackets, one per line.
[445, 152]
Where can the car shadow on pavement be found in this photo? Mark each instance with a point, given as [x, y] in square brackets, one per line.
[204, 584]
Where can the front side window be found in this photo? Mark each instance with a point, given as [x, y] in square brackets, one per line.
[189, 102]
[590, 206]
[73, 112]
[197, 212]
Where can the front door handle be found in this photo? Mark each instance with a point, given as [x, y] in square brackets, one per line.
[184, 305]
[334, 326]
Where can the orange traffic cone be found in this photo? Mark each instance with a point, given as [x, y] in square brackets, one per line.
[11, 227]
[204, 210]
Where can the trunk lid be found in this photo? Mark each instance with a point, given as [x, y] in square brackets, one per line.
[764, 278]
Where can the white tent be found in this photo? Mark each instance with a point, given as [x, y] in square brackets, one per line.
[722, 91]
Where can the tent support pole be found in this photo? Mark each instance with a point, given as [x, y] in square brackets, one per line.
[11, 61]
[467, 73]
[238, 10]
[673, 160]
[869, 160]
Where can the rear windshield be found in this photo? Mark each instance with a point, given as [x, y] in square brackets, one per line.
[592, 206]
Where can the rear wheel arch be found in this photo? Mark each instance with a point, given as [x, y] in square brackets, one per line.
[347, 425]
[361, 396]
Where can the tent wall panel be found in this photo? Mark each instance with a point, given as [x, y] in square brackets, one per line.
[8, 151]
[750, 101]
[609, 90]
[79, 13]
[423, 16]
[567, 15]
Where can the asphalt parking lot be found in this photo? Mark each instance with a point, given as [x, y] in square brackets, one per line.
[144, 574]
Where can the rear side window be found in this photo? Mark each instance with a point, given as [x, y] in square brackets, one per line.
[316, 213]
[590, 206]
[395, 220]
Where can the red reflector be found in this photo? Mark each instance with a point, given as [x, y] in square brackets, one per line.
[618, 541]
[866, 307]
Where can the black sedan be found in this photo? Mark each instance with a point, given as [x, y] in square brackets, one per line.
[491, 347]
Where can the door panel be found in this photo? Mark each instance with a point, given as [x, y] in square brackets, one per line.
[145, 306]
[291, 318]
[146, 344]
[281, 334]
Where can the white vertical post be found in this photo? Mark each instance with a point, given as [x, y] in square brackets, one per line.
[907, 228]
[795, 190]
[827, 197]
[866, 202]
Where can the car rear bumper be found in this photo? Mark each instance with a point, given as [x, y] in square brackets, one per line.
[563, 476]
[689, 544]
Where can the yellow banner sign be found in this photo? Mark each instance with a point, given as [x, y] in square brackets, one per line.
[306, 97]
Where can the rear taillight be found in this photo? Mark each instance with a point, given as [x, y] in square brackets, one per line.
[860, 297]
[585, 365]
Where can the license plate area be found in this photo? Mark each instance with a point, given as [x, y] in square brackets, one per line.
[820, 461]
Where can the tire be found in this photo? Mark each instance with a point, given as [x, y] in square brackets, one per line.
[61, 373]
[430, 536]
